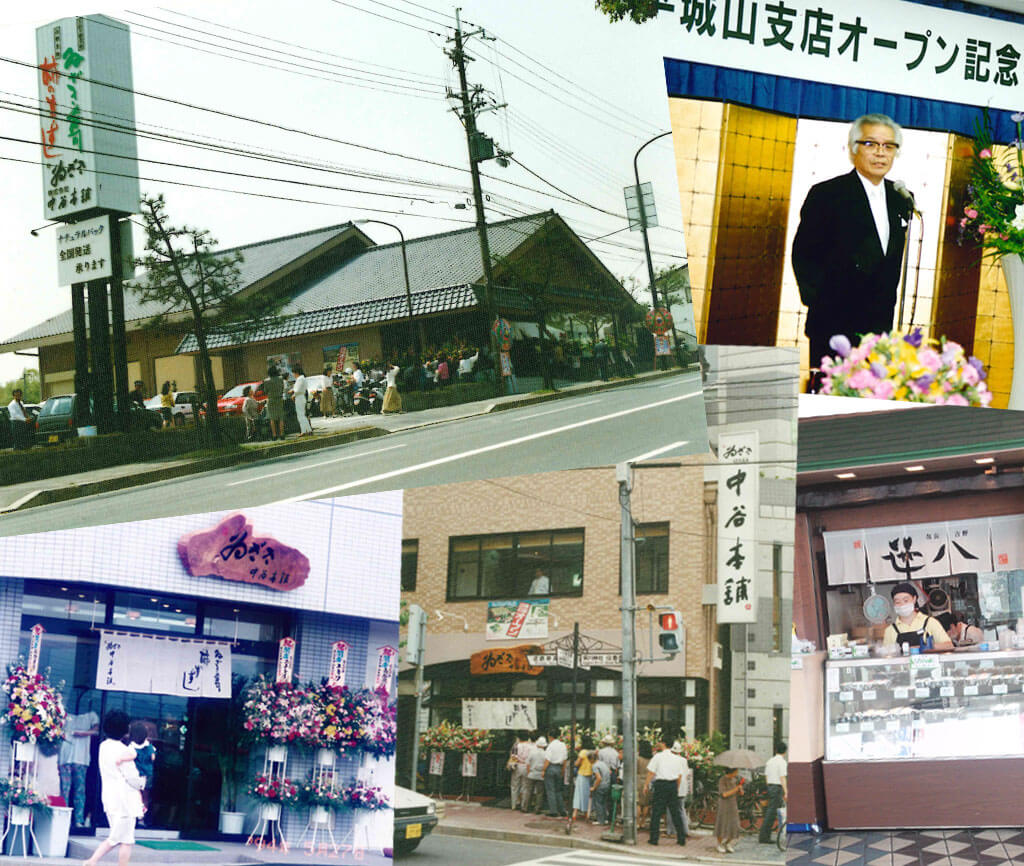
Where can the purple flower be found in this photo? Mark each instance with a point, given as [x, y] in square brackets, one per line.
[974, 362]
[1017, 116]
[914, 338]
[840, 345]
[879, 370]
[924, 382]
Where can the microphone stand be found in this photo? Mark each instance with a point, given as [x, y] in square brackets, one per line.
[917, 265]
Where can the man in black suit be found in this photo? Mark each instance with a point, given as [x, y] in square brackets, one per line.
[848, 249]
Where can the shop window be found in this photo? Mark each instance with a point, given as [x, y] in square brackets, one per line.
[778, 724]
[751, 666]
[410, 559]
[68, 603]
[751, 693]
[244, 623]
[509, 564]
[751, 721]
[651, 559]
[144, 612]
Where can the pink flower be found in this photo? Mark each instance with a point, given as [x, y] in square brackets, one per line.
[862, 379]
[971, 212]
[956, 400]
[883, 390]
[985, 154]
[929, 358]
[984, 227]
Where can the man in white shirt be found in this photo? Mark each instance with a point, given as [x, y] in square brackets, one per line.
[848, 249]
[19, 421]
[300, 394]
[775, 777]
[540, 585]
[518, 765]
[665, 772]
[535, 761]
[554, 766]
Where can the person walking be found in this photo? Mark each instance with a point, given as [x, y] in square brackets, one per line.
[121, 785]
[727, 820]
[775, 777]
[664, 772]
[554, 764]
[327, 395]
[273, 387]
[300, 394]
[392, 399]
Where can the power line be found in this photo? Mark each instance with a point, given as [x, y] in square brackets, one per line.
[388, 18]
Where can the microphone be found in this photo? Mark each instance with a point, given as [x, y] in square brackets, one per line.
[901, 188]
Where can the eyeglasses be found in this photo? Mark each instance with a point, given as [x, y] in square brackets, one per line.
[888, 147]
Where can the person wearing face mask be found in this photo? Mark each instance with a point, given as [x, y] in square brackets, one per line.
[912, 627]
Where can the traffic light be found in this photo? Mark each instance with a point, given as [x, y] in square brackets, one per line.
[670, 631]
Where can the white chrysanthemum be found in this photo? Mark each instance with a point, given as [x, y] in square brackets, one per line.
[1018, 219]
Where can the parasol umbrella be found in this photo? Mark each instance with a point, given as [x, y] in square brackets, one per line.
[742, 758]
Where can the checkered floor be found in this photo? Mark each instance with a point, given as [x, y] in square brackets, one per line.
[909, 848]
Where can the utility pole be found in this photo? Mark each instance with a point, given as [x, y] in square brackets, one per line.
[480, 148]
[415, 651]
[643, 225]
[627, 547]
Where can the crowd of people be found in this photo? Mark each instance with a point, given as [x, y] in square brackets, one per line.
[541, 780]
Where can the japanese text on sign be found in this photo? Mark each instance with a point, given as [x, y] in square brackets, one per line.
[170, 666]
[737, 526]
[916, 49]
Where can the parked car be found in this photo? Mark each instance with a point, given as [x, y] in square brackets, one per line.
[415, 817]
[6, 432]
[56, 421]
[231, 402]
[181, 411]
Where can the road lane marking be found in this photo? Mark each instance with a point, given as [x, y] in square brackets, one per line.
[306, 466]
[658, 451]
[552, 411]
[440, 461]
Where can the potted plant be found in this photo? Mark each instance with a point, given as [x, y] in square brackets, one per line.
[225, 738]
[322, 798]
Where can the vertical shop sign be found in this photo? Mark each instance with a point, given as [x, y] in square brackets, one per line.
[469, 765]
[35, 643]
[386, 656]
[436, 764]
[285, 660]
[339, 661]
[738, 491]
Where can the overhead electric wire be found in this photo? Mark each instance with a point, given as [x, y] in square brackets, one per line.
[388, 18]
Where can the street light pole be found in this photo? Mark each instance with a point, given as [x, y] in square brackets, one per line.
[643, 224]
[627, 545]
[418, 325]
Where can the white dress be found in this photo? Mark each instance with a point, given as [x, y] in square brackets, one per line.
[121, 787]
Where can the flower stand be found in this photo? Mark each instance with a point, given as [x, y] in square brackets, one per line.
[321, 822]
[269, 820]
[19, 830]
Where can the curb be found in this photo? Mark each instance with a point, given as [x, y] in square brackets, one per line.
[563, 841]
[589, 389]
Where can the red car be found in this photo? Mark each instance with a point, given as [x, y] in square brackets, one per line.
[231, 402]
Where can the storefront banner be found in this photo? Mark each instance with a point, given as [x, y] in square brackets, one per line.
[517, 620]
[174, 666]
[662, 345]
[920, 550]
[916, 49]
[285, 660]
[500, 714]
[35, 644]
[386, 658]
[1007, 535]
[469, 764]
[737, 526]
[233, 551]
[339, 661]
[507, 660]
[844, 557]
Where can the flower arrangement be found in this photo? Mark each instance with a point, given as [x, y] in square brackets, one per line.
[447, 737]
[280, 713]
[651, 734]
[14, 793]
[359, 795]
[322, 793]
[270, 790]
[343, 717]
[35, 710]
[437, 738]
[994, 213]
[380, 730]
[907, 367]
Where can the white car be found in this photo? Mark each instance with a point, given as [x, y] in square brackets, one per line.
[415, 817]
[181, 411]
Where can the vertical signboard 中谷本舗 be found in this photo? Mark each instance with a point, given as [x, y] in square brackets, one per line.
[89, 151]
[737, 526]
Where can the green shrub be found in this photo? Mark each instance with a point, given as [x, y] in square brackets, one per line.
[451, 395]
[99, 452]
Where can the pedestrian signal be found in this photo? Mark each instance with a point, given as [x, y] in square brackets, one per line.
[670, 631]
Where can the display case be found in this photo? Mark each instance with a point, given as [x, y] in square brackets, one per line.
[928, 706]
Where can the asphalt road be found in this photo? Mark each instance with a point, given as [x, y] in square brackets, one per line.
[437, 850]
[660, 419]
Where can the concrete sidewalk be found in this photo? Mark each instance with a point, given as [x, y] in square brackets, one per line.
[484, 822]
[328, 432]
